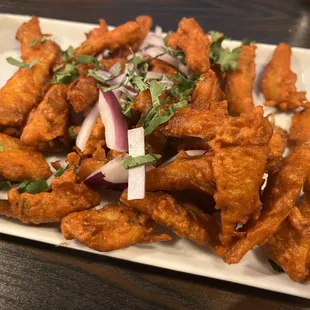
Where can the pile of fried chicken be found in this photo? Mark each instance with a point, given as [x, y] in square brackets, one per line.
[239, 194]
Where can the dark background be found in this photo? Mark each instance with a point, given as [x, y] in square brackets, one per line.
[38, 276]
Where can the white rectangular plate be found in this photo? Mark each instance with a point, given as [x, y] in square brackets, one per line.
[178, 254]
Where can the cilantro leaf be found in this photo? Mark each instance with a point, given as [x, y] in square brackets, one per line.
[72, 133]
[139, 82]
[67, 54]
[177, 53]
[1, 148]
[215, 35]
[5, 185]
[87, 59]
[275, 266]
[247, 41]
[57, 68]
[182, 87]
[33, 187]
[17, 63]
[127, 103]
[61, 171]
[41, 40]
[156, 90]
[68, 75]
[132, 162]
[116, 69]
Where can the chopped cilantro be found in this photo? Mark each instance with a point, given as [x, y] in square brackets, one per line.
[68, 75]
[17, 63]
[247, 41]
[33, 187]
[67, 54]
[72, 133]
[132, 162]
[87, 59]
[116, 69]
[41, 40]
[275, 266]
[215, 35]
[61, 171]
[5, 185]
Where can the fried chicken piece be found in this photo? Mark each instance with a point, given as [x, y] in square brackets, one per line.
[122, 36]
[300, 128]
[186, 172]
[91, 164]
[240, 156]
[191, 38]
[208, 88]
[108, 63]
[49, 120]
[192, 144]
[240, 83]
[277, 146]
[278, 81]
[163, 67]
[289, 247]
[26, 88]
[112, 154]
[186, 221]
[143, 102]
[282, 190]
[199, 120]
[111, 228]
[98, 32]
[19, 162]
[66, 196]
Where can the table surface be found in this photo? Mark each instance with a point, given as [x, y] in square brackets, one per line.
[39, 276]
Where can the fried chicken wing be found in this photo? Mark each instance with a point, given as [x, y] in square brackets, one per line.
[110, 228]
[49, 120]
[186, 172]
[208, 88]
[277, 146]
[199, 120]
[66, 196]
[282, 190]
[300, 128]
[19, 162]
[240, 156]
[124, 35]
[191, 38]
[289, 247]
[240, 82]
[278, 81]
[26, 88]
[186, 221]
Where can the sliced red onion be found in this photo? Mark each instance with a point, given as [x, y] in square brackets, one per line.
[99, 57]
[136, 176]
[112, 175]
[158, 31]
[114, 122]
[87, 127]
[188, 152]
[3, 194]
[155, 75]
[50, 180]
[139, 54]
[183, 69]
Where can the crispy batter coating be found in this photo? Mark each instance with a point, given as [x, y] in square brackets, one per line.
[289, 247]
[282, 190]
[26, 88]
[278, 81]
[191, 38]
[240, 83]
[240, 157]
[200, 120]
[163, 67]
[186, 172]
[98, 32]
[277, 146]
[186, 221]
[91, 164]
[300, 128]
[143, 102]
[208, 88]
[19, 162]
[124, 35]
[111, 228]
[66, 196]
[49, 120]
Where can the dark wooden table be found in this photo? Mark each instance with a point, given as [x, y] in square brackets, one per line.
[38, 276]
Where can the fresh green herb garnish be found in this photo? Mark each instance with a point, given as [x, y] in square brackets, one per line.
[33, 187]
[247, 41]
[275, 266]
[215, 35]
[68, 75]
[61, 171]
[17, 63]
[1, 148]
[132, 162]
[116, 69]
[41, 40]
[72, 133]
[177, 53]
[127, 103]
[5, 184]
[67, 54]
[87, 59]
[57, 68]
